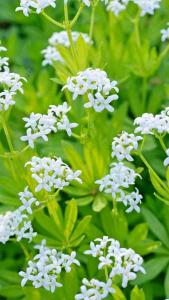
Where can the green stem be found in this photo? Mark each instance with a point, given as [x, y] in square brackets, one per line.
[92, 22]
[106, 273]
[77, 15]
[69, 33]
[163, 54]
[159, 137]
[152, 170]
[51, 20]
[8, 138]
[24, 250]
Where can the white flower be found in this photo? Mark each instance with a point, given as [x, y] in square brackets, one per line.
[166, 161]
[27, 6]
[119, 261]
[51, 53]
[15, 223]
[27, 199]
[88, 2]
[132, 200]
[51, 173]
[165, 33]
[95, 290]
[40, 126]
[46, 266]
[153, 124]
[147, 6]
[116, 6]
[123, 145]
[117, 181]
[97, 86]
[10, 84]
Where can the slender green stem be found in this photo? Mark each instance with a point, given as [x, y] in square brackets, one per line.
[8, 138]
[51, 20]
[159, 137]
[69, 33]
[77, 15]
[115, 206]
[163, 54]
[92, 22]
[152, 170]
[25, 251]
[106, 273]
[76, 136]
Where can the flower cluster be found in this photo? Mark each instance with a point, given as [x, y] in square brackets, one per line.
[28, 200]
[17, 223]
[123, 145]
[118, 262]
[41, 125]
[116, 6]
[153, 124]
[97, 86]
[45, 268]
[51, 54]
[165, 33]
[51, 173]
[28, 6]
[117, 181]
[147, 6]
[95, 289]
[10, 83]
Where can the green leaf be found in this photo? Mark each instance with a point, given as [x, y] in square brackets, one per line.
[83, 201]
[48, 225]
[99, 202]
[166, 283]
[114, 224]
[140, 230]
[81, 228]
[156, 227]
[70, 218]
[137, 294]
[118, 295]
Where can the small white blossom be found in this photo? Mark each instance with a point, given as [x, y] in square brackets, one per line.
[153, 124]
[117, 181]
[28, 6]
[88, 2]
[97, 86]
[45, 268]
[123, 145]
[133, 200]
[95, 290]
[40, 126]
[15, 223]
[165, 33]
[51, 53]
[10, 84]
[116, 6]
[147, 6]
[27, 199]
[51, 173]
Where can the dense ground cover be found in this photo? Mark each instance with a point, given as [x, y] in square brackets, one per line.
[84, 178]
